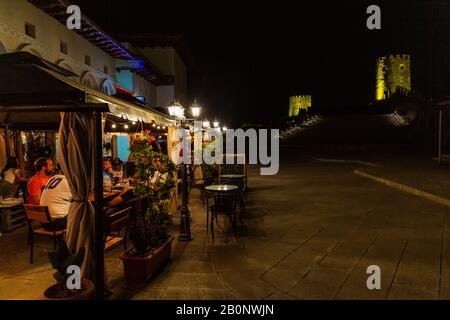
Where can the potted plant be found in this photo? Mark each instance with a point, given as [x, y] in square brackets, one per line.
[60, 261]
[149, 230]
[141, 141]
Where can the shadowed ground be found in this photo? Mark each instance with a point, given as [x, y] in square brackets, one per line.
[310, 233]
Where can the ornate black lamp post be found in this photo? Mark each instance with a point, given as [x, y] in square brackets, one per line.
[177, 110]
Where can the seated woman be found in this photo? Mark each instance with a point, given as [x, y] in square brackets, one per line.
[117, 165]
[12, 180]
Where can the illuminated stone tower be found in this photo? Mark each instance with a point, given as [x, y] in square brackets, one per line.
[393, 74]
[299, 102]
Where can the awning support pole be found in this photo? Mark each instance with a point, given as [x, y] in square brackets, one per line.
[7, 145]
[98, 206]
[440, 138]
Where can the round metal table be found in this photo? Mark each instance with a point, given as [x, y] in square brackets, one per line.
[221, 187]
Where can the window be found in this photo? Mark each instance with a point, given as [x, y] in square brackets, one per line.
[87, 60]
[105, 69]
[123, 148]
[30, 30]
[402, 67]
[63, 47]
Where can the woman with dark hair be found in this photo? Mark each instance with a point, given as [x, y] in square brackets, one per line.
[117, 164]
[12, 177]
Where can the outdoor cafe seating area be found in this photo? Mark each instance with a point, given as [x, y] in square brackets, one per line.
[222, 190]
[223, 197]
[62, 183]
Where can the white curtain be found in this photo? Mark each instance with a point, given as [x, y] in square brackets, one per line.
[76, 135]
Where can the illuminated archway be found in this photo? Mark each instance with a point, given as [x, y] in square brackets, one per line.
[63, 64]
[26, 47]
[88, 80]
[2, 48]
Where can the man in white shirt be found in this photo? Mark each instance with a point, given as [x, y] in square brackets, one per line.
[57, 197]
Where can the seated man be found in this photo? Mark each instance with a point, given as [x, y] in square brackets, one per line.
[57, 197]
[44, 170]
[126, 194]
[108, 174]
[114, 205]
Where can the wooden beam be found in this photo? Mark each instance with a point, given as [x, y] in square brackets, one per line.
[98, 107]
[99, 255]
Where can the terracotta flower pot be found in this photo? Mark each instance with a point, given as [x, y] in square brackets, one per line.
[138, 270]
[87, 292]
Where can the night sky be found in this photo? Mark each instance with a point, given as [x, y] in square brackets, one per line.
[250, 56]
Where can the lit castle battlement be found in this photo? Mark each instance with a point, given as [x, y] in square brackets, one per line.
[393, 74]
[299, 102]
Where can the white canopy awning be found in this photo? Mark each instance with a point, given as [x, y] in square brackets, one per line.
[30, 85]
[116, 106]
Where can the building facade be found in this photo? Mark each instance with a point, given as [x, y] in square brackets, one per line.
[24, 27]
[393, 74]
[170, 63]
[154, 75]
[98, 60]
[171, 56]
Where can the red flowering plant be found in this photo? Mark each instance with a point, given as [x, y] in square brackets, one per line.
[142, 140]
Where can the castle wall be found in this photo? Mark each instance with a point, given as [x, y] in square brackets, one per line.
[399, 74]
[381, 86]
[296, 103]
[392, 72]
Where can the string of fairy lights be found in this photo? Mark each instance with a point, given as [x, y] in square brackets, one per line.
[121, 123]
[126, 124]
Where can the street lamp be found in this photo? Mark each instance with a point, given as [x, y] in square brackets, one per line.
[177, 110]
[216, 124]
[195, 109]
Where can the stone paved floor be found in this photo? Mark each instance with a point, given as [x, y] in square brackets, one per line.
[310, 233]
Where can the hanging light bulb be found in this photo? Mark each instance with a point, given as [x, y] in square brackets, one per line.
[125, 126]
[113, 126]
